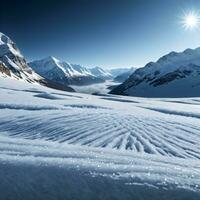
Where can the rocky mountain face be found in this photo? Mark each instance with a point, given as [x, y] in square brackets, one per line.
[12, 63]
[4, 69]
[173, 75]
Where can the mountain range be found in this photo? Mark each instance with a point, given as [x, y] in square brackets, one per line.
[49, 71]
[173, 75]
[69, 74]
[74, 74]
[13, 64]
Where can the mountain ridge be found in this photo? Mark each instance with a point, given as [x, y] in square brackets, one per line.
[63, 72]
[175, 74]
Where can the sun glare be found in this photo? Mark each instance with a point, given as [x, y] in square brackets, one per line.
[190, 20]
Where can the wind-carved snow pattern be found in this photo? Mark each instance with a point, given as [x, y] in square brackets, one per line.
[137, 146]
[135, 124]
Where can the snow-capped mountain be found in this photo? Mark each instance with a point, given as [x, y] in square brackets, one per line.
[63, 72]
[12, 63]
[173, 75]
[101, 73]
[125, 75]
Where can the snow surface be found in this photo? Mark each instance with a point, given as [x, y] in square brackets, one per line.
[61, 145]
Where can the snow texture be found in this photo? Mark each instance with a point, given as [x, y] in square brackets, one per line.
[61, 145]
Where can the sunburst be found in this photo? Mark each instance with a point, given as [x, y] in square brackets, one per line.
[190, 20]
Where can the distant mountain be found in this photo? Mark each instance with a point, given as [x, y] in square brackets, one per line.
[101, 73]
[173, 75]
[63, 72]
[125, 75]
[118, 71]
[13, 64]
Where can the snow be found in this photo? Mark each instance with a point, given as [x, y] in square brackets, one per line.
[65, 145]
[76, 171]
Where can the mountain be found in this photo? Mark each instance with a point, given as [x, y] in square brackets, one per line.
[117, 71]
[63, 72]
[12, 63]
[101, 73]
[125, 75]
[173, 75]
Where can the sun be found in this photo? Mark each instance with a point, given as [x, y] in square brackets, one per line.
[190, 20]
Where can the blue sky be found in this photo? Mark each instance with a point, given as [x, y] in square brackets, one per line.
[109, 34]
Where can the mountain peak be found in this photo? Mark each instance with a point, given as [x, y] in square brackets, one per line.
[4, 39]
[51, 58]
[7, 46]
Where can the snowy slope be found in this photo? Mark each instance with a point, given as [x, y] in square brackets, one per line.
[173, 75]
[63, 72]
[141, 125]
[48, 170]
[128, 147]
